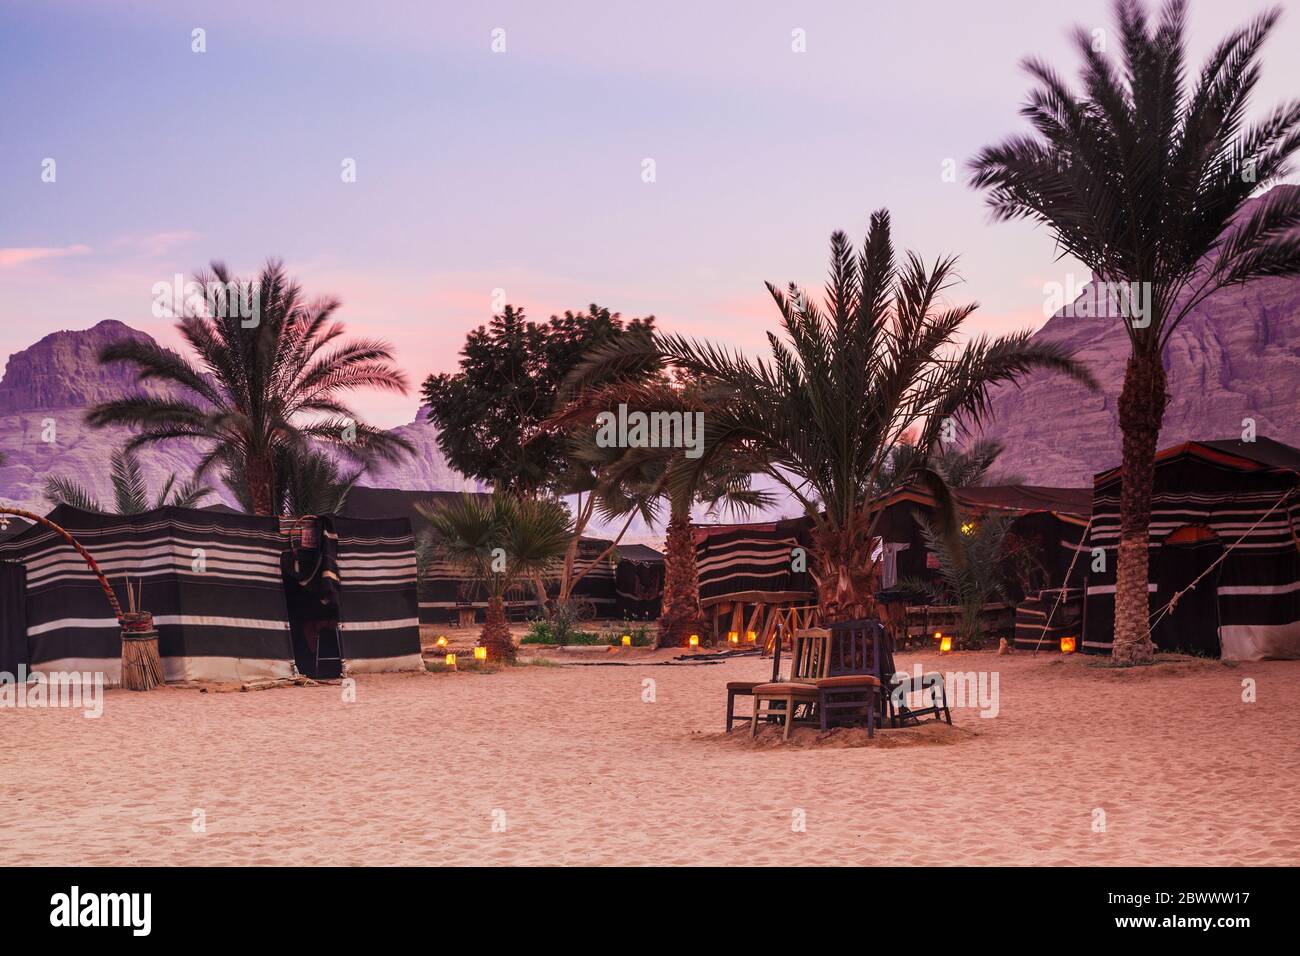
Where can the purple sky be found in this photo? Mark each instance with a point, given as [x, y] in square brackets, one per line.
[519, 170]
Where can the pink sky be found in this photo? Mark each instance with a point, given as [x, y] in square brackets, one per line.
[519, 170]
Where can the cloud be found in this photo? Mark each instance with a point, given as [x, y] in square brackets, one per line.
[12, 256]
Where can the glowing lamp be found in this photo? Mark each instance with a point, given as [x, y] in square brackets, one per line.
[442, 642]
[945, 645]
[1068, 645]
[451, 661]
[733, 637]
[694, 640]
[480, 653]
[968, 527]
[627, 640]
[938, 635]
[751, 636]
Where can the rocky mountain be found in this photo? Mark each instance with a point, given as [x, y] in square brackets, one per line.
[1236, 356]
[47, 388]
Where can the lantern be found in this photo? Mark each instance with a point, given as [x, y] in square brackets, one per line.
[751, 636]
[451, 662]
[945, 645]
[938, 635]
[733, 637]
[695, 640]
[442, 641]
[480, 653]
[627, 640]
[968, 527]
[1067, 645]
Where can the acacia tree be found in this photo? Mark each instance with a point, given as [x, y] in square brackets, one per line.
[491, 413]
[270, 379]
[1146, 178]
[841, 389]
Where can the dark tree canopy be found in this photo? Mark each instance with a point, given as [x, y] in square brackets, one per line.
[489, 414]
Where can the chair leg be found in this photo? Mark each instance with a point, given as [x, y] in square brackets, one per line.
[731, 705]
[871, 715]
[753, 722]
[822, 711]
[789, 716]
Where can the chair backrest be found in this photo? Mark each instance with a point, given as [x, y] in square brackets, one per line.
[859, 647]
[810, 653]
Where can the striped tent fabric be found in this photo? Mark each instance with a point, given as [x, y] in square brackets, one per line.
[13, 619]
[639, 589]
[1046, 617]
[752, 562]
[212, 582]
[371, 563]
[1210, 499]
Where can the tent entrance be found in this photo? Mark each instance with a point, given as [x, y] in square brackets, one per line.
[313, 614]
[1193, 626]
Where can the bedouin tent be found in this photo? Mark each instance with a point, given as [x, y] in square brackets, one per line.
[223, 599]
[211, 580]
[13, 619]
[1049, 521]
[752, 564]
[639, 582]
[351, 588]
[1224, 514]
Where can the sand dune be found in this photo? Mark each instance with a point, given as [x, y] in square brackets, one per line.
[580, 770]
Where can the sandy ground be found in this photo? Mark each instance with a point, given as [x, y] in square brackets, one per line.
[569, 765]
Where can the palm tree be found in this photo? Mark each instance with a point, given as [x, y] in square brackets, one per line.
[130, 491]
[270, 379]
[1144, 180]
[970, 571]
[503, 542]
[842, 388]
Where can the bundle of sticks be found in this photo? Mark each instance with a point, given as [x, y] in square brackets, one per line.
[141, 663]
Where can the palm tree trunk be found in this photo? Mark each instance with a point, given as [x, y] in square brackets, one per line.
[1141, 410]
[681, 615]
[261, 484]
[845, 575]
[495, 635]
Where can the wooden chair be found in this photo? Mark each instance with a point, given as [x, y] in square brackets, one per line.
[898, 686]
[852, 676]
[779, 700]
[745, 688]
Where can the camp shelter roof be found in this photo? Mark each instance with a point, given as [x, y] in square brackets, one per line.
[1262, 454]
[639, 552]
[1025, 499]
[365, 502]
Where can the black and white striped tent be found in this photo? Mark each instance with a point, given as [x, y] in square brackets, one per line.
[1231, 500]
[211, 580]
[366, 576]
[753, 562]
[216, 586]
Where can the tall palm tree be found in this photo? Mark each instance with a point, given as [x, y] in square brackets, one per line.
[270, 378]
[843, 387]
[503, 542]
[130, 490]
[1144, 177]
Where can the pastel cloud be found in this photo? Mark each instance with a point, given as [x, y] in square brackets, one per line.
[13, 256]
